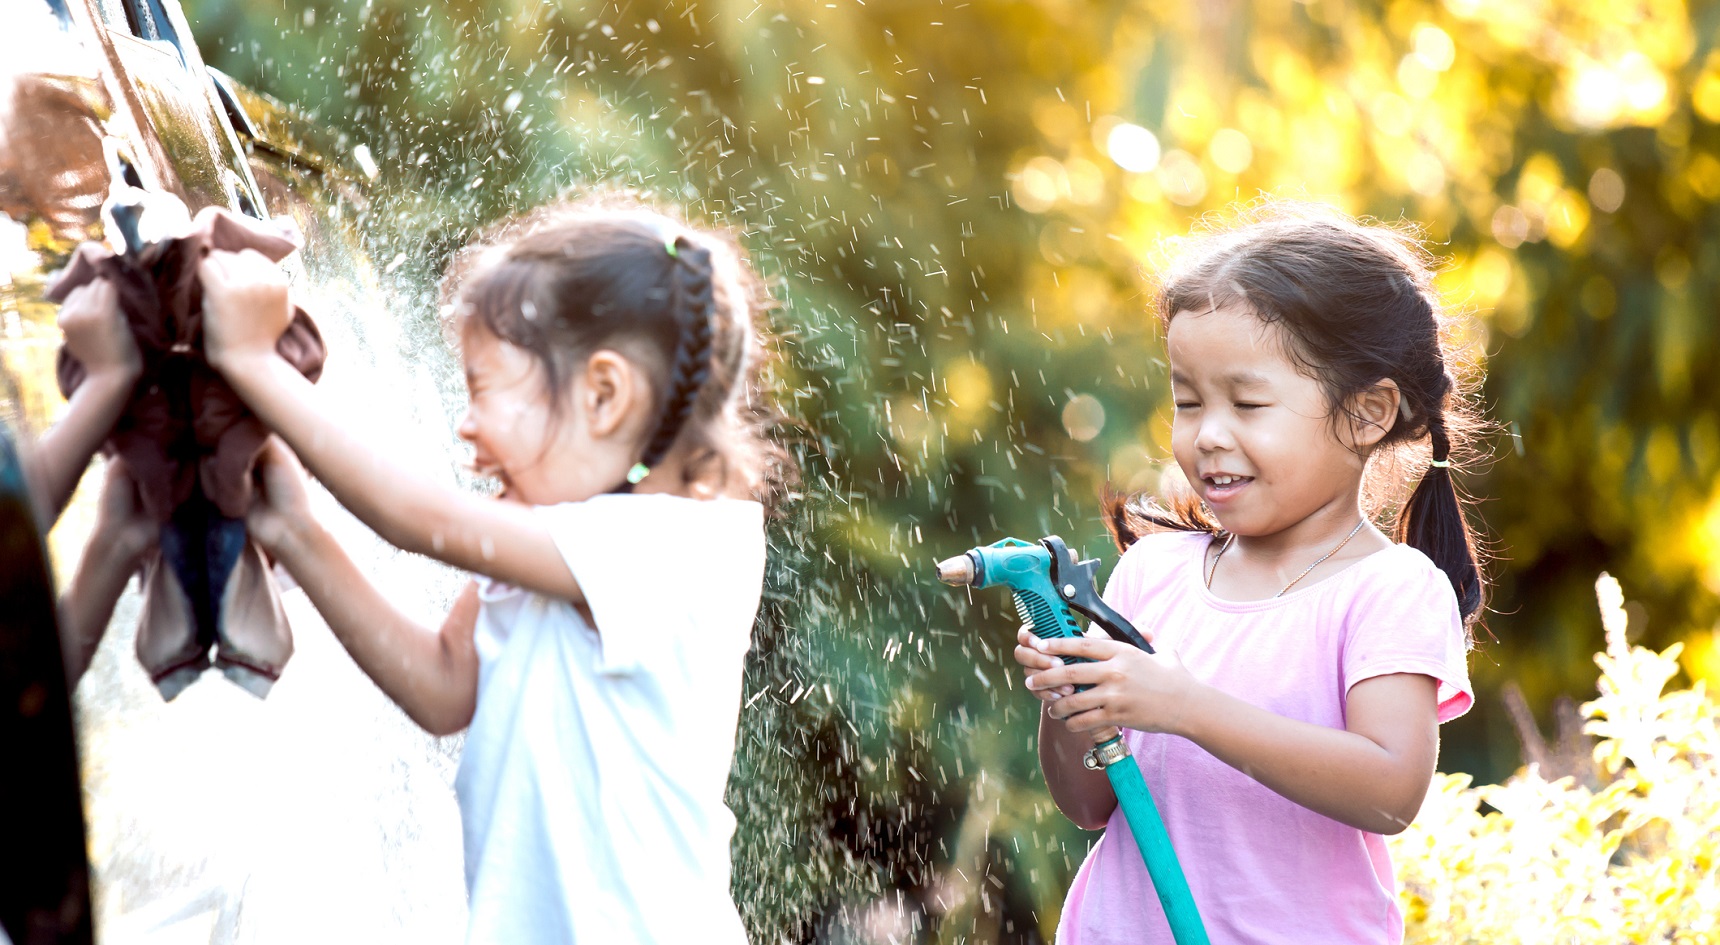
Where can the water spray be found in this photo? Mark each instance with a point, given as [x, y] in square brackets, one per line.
[1050, 586]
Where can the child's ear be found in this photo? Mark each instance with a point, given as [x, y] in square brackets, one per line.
[1373, 413]
[613, 389]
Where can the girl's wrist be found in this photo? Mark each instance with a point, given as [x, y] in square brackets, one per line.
[1190, 710]
[293, 540]
[230, 363]
[114, 379]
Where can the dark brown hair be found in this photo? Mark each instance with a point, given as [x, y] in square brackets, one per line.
[572, 278]
[1356, 305]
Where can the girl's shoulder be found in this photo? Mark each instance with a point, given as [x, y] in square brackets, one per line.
[1158, 557]
[1398, 585]
[1403, 565]
[657, 534]
[1158, 547]
[661, 508]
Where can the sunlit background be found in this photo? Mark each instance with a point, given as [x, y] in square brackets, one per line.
[955, 201]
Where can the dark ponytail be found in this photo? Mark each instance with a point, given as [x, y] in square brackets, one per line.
[692, 300]
[1432, 522]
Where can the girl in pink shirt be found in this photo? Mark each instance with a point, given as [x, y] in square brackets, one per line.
[1304, 659]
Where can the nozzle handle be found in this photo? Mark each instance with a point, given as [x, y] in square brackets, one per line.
[1077, 585]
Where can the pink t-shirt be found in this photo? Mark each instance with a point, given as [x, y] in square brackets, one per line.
[1264, 869]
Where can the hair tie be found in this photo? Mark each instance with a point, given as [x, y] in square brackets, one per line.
[670, 247]
[1440, 464]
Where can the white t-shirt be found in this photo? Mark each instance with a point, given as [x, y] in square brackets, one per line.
[591, 788]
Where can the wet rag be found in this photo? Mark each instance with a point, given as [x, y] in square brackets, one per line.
[191, 445]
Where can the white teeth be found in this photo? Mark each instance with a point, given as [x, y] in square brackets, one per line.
[1225, 480]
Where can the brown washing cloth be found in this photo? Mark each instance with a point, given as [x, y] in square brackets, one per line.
[191, 445]
[184, 424]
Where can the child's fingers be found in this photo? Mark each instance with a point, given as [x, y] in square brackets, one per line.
[1082, 713]
[96, 332]
[1026, 637]
[1075, 704]
[218, 271]
[245, 306]
[1066, 676]
[1033, 662]
[1030, 653]
[224, 267]
[236, 278]
[1031, 659]
[1060, 691]
[1090, 648]
[1089, 721]
[93, 299]
[1052, 692]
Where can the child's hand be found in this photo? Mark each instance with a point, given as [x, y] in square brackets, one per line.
[1130, 688]
[245, 309]
[96, 332]
[1030, 653]
[282, 504]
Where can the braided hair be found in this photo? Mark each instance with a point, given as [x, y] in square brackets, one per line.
[692, 300]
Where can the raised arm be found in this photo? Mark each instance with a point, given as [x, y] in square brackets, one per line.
[96, 334]
[431, 674]
[1371, 775]
[246, 310]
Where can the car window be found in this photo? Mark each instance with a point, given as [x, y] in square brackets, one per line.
[150, 21]
[144, 19]
[113, 15]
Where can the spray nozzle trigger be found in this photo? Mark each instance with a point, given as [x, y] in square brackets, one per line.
[1077, 582]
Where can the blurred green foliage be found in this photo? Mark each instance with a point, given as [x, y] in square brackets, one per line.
[955, 200]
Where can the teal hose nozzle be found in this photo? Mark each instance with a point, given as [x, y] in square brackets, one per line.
[1048, 583]
[1050, 586]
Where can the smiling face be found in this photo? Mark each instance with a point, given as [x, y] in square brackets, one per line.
[508, 418]
[540, 455]
[1254, 434]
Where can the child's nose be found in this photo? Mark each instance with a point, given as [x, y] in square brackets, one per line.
[1213, 435]
[468, 428]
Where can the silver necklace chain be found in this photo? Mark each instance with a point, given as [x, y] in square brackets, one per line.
[1307, 571]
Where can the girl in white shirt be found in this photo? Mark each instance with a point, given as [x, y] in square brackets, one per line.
[612, 364]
